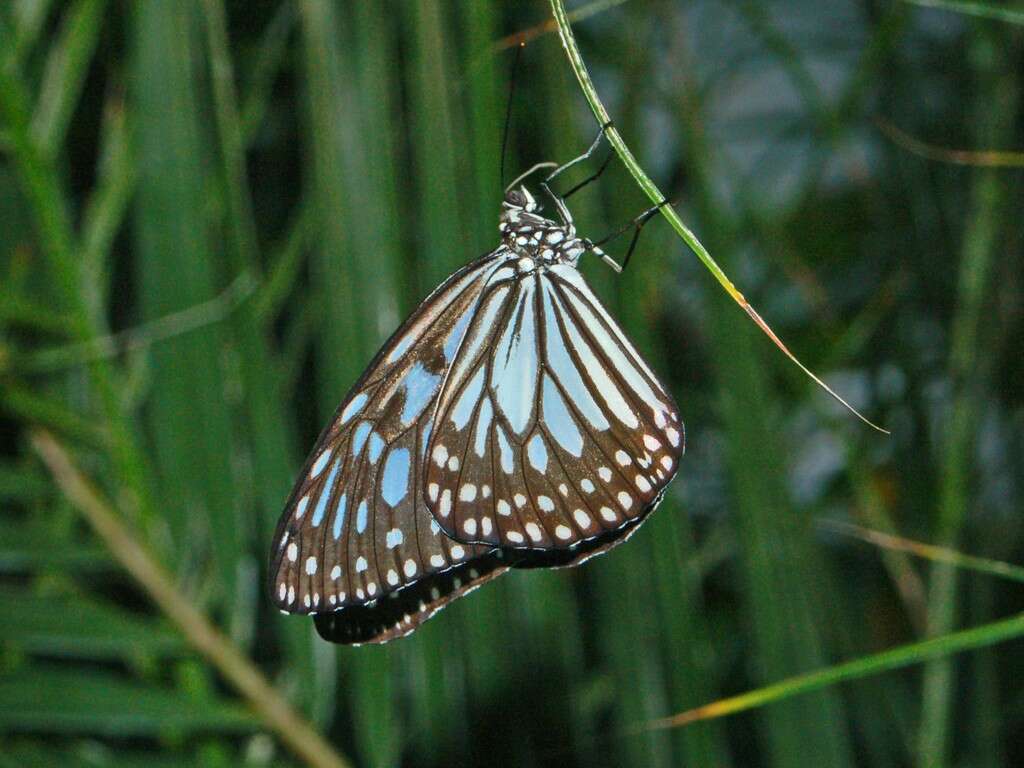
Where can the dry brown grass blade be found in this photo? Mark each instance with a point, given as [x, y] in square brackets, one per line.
[271, 706]
[990, 158]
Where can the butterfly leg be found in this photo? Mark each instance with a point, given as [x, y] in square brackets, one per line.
[559, 200]
[592, 177]
[585, 156]
[636, 224]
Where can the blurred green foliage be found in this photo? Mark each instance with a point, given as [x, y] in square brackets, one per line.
[212, 214]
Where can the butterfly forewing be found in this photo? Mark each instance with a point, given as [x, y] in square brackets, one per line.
[356, 527]
[560, 432]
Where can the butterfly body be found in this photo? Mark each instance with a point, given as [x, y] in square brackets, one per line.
[507, 423]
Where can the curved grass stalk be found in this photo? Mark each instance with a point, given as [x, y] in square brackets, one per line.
[897, 658]
[652, 191]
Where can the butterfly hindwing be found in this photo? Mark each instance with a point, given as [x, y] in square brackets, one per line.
[402, 611]
[559, 432]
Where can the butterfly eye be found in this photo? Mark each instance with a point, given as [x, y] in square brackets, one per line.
[515, 198]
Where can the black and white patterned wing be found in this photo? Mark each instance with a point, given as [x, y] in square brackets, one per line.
[557, 433]
[355, 527]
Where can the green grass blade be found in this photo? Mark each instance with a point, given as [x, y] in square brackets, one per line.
[68, 65]
[69, 701]
[442, 232]
[188, 416]
[29, 18]
[980, 10]
[352, 268]
[897, 658]
[996, 109]
[106, 209]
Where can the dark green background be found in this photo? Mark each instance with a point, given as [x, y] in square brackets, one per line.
[258, 192]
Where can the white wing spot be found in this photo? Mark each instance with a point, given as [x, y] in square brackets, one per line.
[333, 599]
[432, 491]
[545, 503]
[300, 508]
[582, 518]
[504, 508]
[533, 531]
[642, 484]
[563, 532]
[360, 594]
[440, 455]
[453, 463]
[519, 499]
[446, 503]
[316, 599]
[393, 577]
[311, 566]
[469, 526]
[608, 514]
[361, 564]
[435, 593]
[514, 536]
[652, 442]
[563, 489]
[458, 552]
[486, 525]
[371, 588]
[335, 573]
[394, 537]
[605, 474]
[291, 595]
[625, 500]
[437, 561]
[282, 590]
[666, 462]
[467, 492]
[409, 568]
[306, 601]
[587, 485]
[434, 527]
[623, 458]
[673, 436]
[293, 552]
[485, 491]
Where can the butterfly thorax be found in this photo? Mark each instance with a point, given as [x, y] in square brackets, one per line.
[538, 241]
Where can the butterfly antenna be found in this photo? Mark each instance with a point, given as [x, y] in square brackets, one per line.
[508, 109]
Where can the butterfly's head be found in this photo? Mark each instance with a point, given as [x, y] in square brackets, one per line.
[519, 210]
[518, 200]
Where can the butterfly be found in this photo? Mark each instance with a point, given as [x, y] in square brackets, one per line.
[508, 423]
